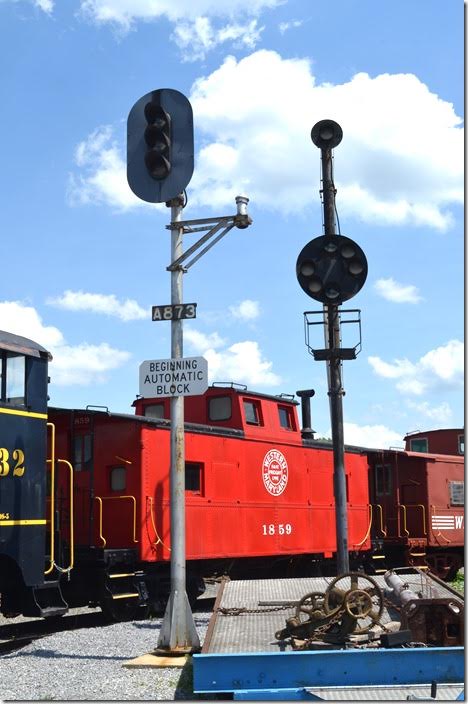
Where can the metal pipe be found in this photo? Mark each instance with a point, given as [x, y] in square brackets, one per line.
[305, 395]
[399, 588]
[335, 389]
[178, 633]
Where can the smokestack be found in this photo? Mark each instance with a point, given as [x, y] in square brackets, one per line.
[305, 395]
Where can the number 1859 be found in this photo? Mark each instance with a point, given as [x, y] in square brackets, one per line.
[277, 529]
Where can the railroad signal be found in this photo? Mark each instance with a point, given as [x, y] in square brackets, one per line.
[160, 145]
[326, 134]
[331, 269]
[158, 139]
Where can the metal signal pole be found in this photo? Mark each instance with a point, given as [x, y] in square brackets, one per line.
[331, 269]
[178, 633]
[335, 387]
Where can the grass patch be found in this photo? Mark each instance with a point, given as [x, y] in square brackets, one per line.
[459, 582]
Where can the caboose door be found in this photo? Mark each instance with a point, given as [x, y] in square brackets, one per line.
[82, 448]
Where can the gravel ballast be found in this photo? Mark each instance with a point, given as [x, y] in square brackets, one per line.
[87, 664]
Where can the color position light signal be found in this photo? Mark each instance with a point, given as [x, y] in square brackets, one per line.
[160, 145]
[158, 139]
[331, 269]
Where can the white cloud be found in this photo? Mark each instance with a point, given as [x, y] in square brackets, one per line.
[85, 364]
[246, 310]
[377, 436]
[284, 26]
[46, 5]
[252, 142]
[82, 364]
[385, 171]
[196, 38]
[393, 291]
[199, 25]
[126, 12]
[442, 367]
[103, 176]
[242, 362]
[100, 303]
[19, 319]
[201, 342]
[438, 414]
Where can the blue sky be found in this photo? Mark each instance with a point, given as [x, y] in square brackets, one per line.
[86, 259]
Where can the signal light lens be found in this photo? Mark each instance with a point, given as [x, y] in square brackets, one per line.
[330, 247]
[314, 285]
[157, 165]
[347, 251]
[332, 292]
[355, 267]
[307, 268]
[326, 134]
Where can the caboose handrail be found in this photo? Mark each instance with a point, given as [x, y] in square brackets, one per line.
[381, 528]
[153, 523]
[72, 534]
[52, 498]
[100, 499]
[404, 520]
[357, 545]
[423, 509]
[436, 535]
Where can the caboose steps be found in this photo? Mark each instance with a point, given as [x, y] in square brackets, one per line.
[123, 594]
[45, 600]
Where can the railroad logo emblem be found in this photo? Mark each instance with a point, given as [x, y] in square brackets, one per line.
[275, 472]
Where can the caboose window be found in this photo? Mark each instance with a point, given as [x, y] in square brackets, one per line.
[286, 417]
[461, 444]
[118, 478]
[252, 412]
[14, 379]
[193, 477]
[82, 454]
[457, 493]
[219, 408]
[419, 445]
[154, 410]
[383, 480]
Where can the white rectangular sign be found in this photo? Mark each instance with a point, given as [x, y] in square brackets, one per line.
[187, 376]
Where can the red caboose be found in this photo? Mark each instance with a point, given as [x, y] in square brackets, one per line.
[254, 489]
[418, 508]
[445, 441]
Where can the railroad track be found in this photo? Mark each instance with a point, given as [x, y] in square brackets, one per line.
[16, 635]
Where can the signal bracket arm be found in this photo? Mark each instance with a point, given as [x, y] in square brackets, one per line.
[217, 227]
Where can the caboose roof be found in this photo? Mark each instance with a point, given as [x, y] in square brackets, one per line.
[147, 420]
[431, 457]
[427, 433]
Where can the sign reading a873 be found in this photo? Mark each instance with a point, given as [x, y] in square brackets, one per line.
[174, 312]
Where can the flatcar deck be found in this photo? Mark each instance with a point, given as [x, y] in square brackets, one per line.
[254, 632]
[242, 656]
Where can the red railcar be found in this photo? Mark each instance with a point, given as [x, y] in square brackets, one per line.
[445, 441]
[254, 489]
[418, 508]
